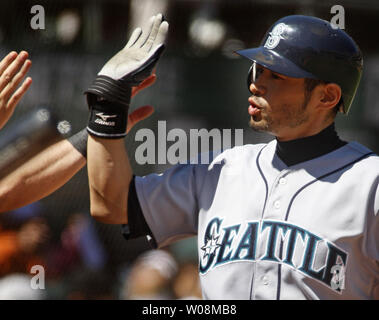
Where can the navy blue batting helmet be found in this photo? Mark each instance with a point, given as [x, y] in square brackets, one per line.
[308, 47]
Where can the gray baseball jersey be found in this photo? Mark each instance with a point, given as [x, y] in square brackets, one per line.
[269, 231]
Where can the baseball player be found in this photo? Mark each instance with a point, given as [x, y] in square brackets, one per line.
[54, 166]
[296, 218]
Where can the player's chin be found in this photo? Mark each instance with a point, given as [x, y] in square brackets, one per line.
[258, 123]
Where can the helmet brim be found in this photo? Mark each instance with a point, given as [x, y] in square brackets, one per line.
[275, 62]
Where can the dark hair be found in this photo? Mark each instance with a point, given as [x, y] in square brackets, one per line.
[310, 84]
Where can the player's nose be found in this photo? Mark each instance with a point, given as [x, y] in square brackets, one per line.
[256, 89]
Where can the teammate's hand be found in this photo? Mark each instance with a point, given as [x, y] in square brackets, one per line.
[141, 113]
[13, 69]
[138, 115]
[144, 84]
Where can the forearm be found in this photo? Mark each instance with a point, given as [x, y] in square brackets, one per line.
[40, 176]
[108, 98]
[109, 174]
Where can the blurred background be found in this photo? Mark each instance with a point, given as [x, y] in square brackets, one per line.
[201, 84]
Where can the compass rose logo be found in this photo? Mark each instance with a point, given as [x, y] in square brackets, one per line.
[211, 245]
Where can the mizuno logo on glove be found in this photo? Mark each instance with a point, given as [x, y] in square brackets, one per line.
[104, 119]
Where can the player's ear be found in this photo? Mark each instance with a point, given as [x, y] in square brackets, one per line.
[329, 95]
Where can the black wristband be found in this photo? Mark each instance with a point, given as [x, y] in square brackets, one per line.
[107, 119]
[79, 141]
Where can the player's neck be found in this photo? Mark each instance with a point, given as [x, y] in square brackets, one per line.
[304, 149]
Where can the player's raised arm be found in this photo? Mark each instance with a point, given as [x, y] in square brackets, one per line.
[13, 69]
[109, 170]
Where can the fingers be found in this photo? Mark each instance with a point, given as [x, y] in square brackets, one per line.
[138, 115]
[144, 84]
[134, 37]
[145, 32]
[12, 69]
[162, 35]
[154, 31]
[7, 108]
[12, 85]
[19, 93]
[7, 61]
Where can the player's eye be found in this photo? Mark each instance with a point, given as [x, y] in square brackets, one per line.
[258, 71]
[275, 76]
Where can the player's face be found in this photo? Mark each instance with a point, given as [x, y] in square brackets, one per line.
[279, 106]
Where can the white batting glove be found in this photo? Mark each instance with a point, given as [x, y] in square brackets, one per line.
[109, 95]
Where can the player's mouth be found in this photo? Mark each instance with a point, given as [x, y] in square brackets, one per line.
[254, 109]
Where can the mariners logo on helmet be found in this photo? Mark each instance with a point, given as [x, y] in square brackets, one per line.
[275, 36]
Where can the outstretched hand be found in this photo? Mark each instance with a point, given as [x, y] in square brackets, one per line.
[13, 69]
[139, 56]
[109, 95]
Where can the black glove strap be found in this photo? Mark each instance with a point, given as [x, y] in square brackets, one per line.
[111, 90]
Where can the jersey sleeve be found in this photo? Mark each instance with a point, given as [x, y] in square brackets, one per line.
[371, 243]
[169, 203]
[137, 226]
[371, 238]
